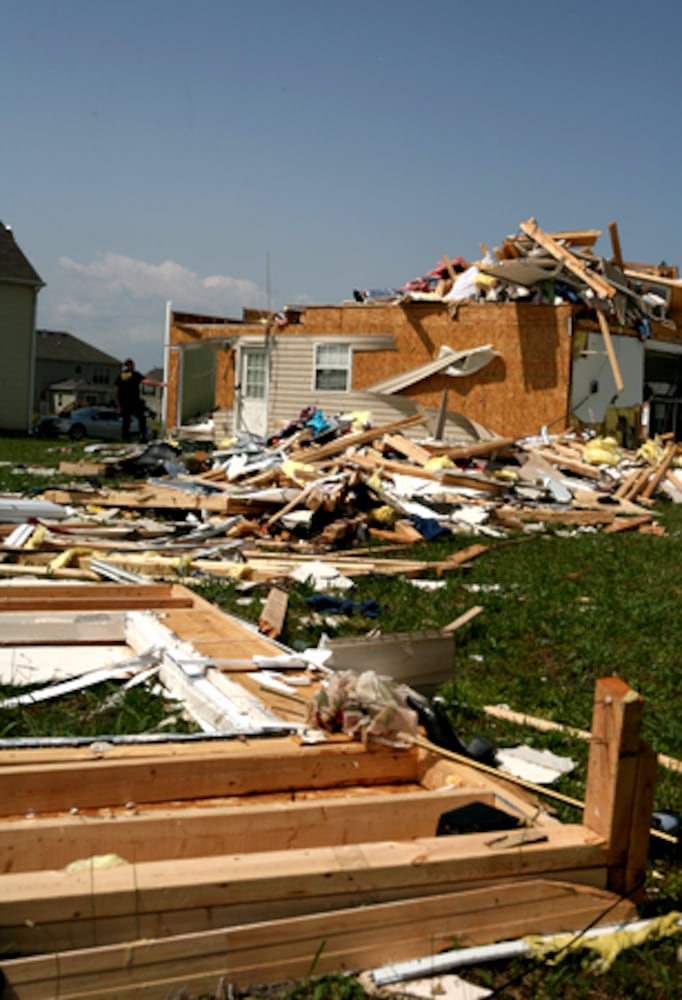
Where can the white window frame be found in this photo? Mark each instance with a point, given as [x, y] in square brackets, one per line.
[319, 368]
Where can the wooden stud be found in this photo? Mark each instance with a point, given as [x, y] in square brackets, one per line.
[615, 794]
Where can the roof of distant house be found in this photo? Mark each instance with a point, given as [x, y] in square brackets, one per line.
[14, 265]
[58, 345]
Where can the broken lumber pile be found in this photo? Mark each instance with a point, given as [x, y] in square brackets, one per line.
[344, 500]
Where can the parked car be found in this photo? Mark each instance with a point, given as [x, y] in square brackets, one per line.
[102, 422]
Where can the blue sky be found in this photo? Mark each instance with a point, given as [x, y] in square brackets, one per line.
[221, 154]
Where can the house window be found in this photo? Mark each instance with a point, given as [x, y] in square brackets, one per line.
[254, 374]
[332, 367]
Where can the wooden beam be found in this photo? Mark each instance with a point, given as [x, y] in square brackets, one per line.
[463, 619]
[602, 288]
[259, 823]
[104, 906]
[661, 469]
[548, 725]
[477, 449]
[610, 351]
[615, 245]
[46, 597]
[651, 278]
[410, 449]
[315, 452]
[344, 940]
[270, 765]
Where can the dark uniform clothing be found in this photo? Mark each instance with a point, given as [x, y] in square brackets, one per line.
[130, 402]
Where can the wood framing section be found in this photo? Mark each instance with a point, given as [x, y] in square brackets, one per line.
[245, 858]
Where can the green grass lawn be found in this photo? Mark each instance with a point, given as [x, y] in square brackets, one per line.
[561, 609]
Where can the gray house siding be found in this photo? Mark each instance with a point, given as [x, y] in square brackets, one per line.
[19, 285]
[292, 388]
[17, 323]
[60, 358]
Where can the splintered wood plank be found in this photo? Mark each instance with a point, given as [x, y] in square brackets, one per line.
[157, 899]
[610, 350]
[553, 516]
[410, 449]
[449, 477]
[314, 452]
[86, 469]
[274, 613]
[247, 826]
[477, 449]
[661, 469]
[268, 766]
[145, 498]
[573, 463]
[353, 938]
[615, 245]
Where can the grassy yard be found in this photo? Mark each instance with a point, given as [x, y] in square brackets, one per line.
[561, 609]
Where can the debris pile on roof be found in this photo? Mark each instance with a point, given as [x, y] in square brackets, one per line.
[548, 268]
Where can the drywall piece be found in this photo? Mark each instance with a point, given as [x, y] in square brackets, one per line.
[121, 671]
[37, 627]
[419, 658]
[22, 665]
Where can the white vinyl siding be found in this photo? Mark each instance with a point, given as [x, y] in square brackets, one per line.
[332, 368]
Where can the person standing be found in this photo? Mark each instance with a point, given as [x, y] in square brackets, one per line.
[128, 399]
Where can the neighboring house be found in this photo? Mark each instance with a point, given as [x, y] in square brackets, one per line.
[153, 394]
[19, 287]
[69, 371]
[531, 359]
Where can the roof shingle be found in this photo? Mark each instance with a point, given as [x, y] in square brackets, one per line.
[14, 265]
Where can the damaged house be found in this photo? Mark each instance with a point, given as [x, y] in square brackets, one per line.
[541, 332]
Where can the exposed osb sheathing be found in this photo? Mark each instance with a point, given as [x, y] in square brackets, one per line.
[525, 388]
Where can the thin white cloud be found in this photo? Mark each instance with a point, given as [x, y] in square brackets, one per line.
[118, 303]
[169, 280]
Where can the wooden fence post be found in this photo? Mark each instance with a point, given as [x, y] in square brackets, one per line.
[621, 774]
